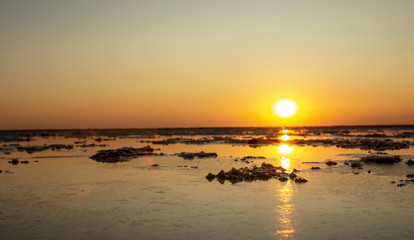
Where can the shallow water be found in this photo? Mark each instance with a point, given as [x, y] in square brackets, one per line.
[67, 195]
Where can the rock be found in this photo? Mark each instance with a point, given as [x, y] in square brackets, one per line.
[410, 175]
[381, 159]
[190, 156]
[283, 179]
[210, 177]
[410, 162]
[369, 171]
[221, 175]
[264, 172]
[300, 180]
[392, 182]
[14, 161]
[121, 154]
[331, 163]
[400, 185]
[315, 168]
[356, 165]
[1, 171]
[154, 165]
[36, 148]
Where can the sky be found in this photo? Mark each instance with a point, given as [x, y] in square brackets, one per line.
[146, 64]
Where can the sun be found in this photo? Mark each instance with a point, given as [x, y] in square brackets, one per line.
[285, 108]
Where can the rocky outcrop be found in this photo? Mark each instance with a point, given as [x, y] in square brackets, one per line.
[121, 154]
[265, 172]
[190, 156]
[381, 159]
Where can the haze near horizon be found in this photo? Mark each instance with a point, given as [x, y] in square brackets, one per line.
[145, 64]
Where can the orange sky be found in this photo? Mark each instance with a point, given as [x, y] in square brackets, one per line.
[134, 64]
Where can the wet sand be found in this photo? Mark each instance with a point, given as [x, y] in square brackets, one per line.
[64, 194]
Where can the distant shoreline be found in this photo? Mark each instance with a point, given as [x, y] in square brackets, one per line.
[206, 128]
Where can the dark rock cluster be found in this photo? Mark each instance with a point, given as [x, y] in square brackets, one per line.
[247, 158]
[381, 159]
[32, 149]
[265, 172]
[404, 182]
[374, 144]
[331, 163]
[121, 154]
[190, 156]
[410, 162]
[373, 159]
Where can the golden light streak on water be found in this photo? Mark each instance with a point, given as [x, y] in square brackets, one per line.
[285, 137]
[285, 213]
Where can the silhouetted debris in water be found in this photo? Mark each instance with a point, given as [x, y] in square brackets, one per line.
[410, 175]
[264, 172]
[331, 163]
[247, 158]
[32, 149]
[315, 168]
[410, 162]
[261, 141]
[24, 162]
[189, 155]
[375, 144]
[283, 179]
[14, 161]
[210, 177]
[381, 159]
[300, 180]
[122, 154]
[356, 165]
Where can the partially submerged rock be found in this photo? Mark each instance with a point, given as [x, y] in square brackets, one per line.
[36, 148]
[14, 161]
[331, 163]
[300, 180]
[121, 154]
[189, 155]
[356, 165]
[381, 159]
[410, 162]
[264, 172]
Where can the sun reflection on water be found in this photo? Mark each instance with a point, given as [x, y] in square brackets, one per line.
[285, 212]
[285, 137]
[285, 149]
[285, 162]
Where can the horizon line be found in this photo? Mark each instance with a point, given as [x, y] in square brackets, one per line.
[155, 128]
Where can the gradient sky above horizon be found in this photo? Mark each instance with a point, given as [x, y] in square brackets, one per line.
[133, 64]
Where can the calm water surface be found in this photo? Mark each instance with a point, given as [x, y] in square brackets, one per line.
[67, 195]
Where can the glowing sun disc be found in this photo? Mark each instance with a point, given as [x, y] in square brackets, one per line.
[285, 108]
